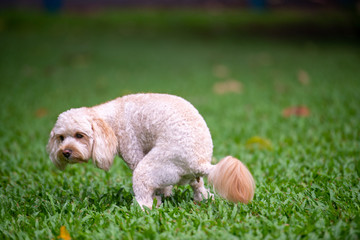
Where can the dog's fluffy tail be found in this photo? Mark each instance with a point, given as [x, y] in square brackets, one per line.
[232, 180]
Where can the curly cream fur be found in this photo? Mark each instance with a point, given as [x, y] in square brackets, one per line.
[161, 137]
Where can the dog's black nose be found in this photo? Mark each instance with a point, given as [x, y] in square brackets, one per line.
[67, 153]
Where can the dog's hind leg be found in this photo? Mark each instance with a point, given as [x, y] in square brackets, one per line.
[200, 192]
[144, 189]
[151, 174]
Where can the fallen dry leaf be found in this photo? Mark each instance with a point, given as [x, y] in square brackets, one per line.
[257, 142]
[303, 77]
[280, 86]
[300, 111]
[262, 59]
[228, 87]
[41, 112]
[28, 70]
[221, 71]
[126, 92]
[64, 234]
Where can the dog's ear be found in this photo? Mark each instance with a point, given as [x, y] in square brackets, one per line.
[52, 148]
[104, 144]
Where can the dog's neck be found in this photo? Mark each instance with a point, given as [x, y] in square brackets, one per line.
[110, 112]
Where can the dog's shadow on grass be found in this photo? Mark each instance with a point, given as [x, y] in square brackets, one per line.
[180, 196]
[125, 197]
[118, 196]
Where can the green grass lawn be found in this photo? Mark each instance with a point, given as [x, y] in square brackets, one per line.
[307, 181]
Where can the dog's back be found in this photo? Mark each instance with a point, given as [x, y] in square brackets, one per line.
[167, 121]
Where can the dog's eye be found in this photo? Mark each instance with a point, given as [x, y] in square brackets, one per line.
[79, 135]
[61, 137]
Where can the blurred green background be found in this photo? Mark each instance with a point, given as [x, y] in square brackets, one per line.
[241, 68]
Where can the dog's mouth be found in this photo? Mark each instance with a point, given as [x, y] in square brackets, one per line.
[72, 159]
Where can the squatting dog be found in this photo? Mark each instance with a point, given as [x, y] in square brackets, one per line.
[162, 138]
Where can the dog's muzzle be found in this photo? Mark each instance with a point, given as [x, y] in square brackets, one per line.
[67, 153]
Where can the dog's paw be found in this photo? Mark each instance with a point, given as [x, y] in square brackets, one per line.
[166, 191]
[158, 200]
[199, 196]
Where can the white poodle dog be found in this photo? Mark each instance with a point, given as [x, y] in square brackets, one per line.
[163, 139]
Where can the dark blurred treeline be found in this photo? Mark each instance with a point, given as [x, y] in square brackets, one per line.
[87, 5]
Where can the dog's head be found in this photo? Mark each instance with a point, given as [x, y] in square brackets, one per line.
[78, 135]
